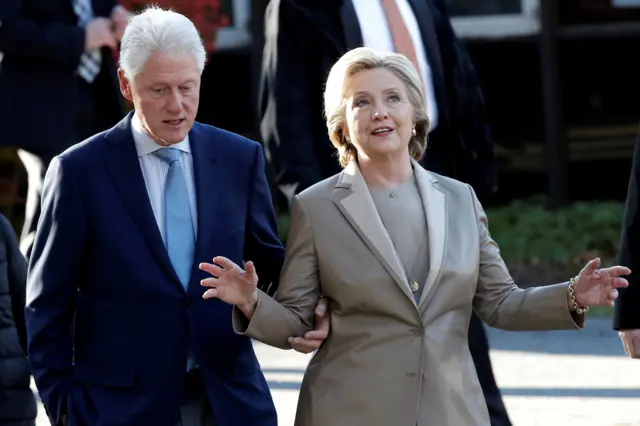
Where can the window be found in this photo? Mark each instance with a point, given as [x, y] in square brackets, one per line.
[238, 34]
[494, 18]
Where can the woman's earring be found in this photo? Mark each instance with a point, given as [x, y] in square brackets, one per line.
[413, 132]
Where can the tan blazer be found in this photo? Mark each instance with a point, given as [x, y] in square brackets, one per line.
[389, 361]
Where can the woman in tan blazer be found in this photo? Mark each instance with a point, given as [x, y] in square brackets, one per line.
[403, 256]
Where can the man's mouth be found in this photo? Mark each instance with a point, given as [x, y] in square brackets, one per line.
[174, 122]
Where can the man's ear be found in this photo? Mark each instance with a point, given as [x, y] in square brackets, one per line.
[125, 85]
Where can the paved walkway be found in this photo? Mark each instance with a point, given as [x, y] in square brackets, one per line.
[547, 378]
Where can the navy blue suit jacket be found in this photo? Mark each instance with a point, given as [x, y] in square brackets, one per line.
[108, 321]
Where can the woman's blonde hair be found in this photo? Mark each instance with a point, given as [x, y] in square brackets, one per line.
[364, 58]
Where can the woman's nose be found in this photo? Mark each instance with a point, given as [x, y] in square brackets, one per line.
[380, 114]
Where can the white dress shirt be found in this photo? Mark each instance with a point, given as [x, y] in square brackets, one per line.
[376, 35]
[155, 169]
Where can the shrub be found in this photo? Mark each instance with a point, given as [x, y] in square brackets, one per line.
[527, 232]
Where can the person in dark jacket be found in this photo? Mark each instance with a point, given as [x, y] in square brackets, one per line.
[627, 309]
[17, 403]
[58, 83]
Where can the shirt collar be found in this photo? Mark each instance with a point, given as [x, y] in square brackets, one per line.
[145, 145]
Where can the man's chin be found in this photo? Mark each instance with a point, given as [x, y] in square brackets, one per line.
[172, 138]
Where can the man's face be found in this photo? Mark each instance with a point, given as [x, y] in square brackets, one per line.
[165, 94]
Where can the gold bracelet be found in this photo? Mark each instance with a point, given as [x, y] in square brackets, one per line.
[572, 293]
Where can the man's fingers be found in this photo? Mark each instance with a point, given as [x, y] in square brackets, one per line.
[317, 334]
[321, 309]
[303, 345]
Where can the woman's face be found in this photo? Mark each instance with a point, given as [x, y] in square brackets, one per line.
[379, 116]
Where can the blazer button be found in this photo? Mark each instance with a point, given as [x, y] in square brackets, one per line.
[189, 304]
[417, 332]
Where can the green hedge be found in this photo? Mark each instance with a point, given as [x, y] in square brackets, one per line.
[528, 233]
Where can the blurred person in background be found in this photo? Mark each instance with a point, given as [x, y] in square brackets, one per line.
[627, 309]
[58, 82]
[17, 402]
[304, 38]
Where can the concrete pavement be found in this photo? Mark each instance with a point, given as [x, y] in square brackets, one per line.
[560, 378]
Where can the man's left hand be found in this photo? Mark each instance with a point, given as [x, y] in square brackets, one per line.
[120, 17]
[314, 338]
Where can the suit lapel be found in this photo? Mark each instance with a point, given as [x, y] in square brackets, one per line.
[352, 197]
[350, 25]
[207, 172]
[122, 162]
[434, 201]
[426, 22]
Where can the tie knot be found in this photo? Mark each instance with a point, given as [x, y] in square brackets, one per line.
[170, 155]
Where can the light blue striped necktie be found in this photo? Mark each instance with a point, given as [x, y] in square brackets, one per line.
[179, 235]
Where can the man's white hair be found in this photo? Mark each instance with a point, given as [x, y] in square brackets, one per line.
[159, 30]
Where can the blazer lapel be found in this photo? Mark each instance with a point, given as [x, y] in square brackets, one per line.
[350, 25]
[426, 22]
[207, 172]
[122, 162]
[434, 201]
[352, 197]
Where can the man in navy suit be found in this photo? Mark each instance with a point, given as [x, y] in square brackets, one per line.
[119, 333]
[58, 82]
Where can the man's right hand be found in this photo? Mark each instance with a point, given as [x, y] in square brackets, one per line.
[99, 33]
[631, 342]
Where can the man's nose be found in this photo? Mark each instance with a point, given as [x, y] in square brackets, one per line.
[174, 104]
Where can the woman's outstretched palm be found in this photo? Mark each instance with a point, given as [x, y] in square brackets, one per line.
[599, 287]
[230, 283]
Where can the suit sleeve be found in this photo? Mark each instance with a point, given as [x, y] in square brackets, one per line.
[500, 303]
[52, 283]
[476, 162]
[24, 36]
[17, 276]
[283, 108]
[627, 307]
[262, 245]
[291, 313]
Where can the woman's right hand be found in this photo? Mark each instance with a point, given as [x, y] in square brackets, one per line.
[231, 284]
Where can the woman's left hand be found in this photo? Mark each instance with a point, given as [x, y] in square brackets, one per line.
[598, 287]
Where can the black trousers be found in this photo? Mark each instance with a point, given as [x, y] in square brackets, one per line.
[479, 347]
[98, 109]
